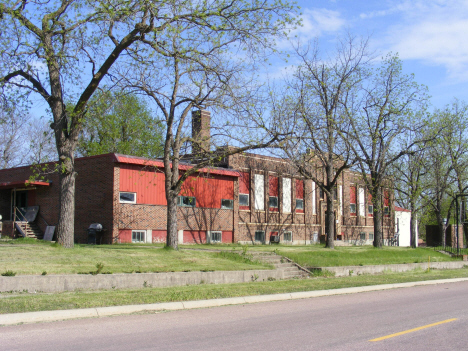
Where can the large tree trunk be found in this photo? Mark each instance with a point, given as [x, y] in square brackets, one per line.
[378, 233]
[413, 230]
[172, 234]
[330, 218]
[66, 224]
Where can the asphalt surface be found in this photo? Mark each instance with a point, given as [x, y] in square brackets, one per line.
[341, 322]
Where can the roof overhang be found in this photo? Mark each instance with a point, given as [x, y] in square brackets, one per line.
[160, 164]
[23, 184]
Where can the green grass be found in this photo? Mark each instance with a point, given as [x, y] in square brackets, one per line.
[26, 302]
[23, 257]
[319, 256]
[361, 256]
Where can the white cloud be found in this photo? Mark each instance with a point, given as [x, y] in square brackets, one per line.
[319, 21]
[432, 31]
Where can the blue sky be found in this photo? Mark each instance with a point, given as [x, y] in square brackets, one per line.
[430, 36]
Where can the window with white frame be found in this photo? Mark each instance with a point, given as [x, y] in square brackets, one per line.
[287, 236]
[138, 236]
[216, 237]
[227, 204]
[370, 209]
[186, 201]
[260, 236]
[244, 200]
[127, 197]
[362, 236]
[273, 202]
[371, 236]
[299, 204]
[314, 211]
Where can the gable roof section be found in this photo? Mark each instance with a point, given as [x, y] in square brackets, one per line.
[134, 160]
[401, 209]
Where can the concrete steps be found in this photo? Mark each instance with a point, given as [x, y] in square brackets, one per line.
[289, 269]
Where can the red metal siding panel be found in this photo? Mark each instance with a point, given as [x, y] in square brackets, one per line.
[352, 195]
[299, 189]
[194, 237]
[273, 186]
[159, 236]
[147, 182]
[386, 198]
[125, 236]
[209, 190]
[244, 183]
[228, 237]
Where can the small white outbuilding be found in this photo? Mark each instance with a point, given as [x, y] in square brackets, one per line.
[403, 226]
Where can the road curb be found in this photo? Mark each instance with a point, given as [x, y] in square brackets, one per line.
[51, 316]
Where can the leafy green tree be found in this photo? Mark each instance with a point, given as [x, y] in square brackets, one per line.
[63, 50]
[120, 123]
[384, 111]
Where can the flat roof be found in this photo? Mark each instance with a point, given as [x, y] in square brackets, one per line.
[134, 160]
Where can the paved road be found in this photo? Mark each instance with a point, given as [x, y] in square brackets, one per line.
[345, 322]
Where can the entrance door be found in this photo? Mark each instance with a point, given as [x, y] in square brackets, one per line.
[20, 201]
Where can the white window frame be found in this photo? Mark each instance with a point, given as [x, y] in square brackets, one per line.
[248, 200]
[286, 195]
[263, 236]
[142, 237]
[302, 206]
[217, 232]
[340, 190]
[351, 209]
[269, 201]
[126, 201]
[289, 233]
[230, 207]
[180, 201]
[259, 192]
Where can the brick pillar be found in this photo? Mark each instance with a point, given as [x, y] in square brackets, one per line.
[200, 131]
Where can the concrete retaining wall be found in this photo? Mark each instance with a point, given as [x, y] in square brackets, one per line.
[59, 283]
[356, 270]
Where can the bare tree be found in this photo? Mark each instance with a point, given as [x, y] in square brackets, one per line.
[383, 111]
[320, 90]
[12, 137]
[191, 67]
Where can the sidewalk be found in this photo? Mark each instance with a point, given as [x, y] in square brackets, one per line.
[50, 316]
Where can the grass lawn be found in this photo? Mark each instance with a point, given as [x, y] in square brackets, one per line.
[25, 256]
[319, 256]
[25, 302]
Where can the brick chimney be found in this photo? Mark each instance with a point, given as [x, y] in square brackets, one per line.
[200, 131]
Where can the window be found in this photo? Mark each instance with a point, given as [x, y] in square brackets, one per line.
[186, 201]
[287, 236]
[362, 236]
[352, 209]
[273, 202]
[287, 195]
[228, 204]
[370, 209]
[216, 237]
[386, 210]
[322, 195]
[352, 200]
[138, 236]
[244, 200]
[127, 198]
[371, 236]
[362, 205]
[299, 204]
[260, 236]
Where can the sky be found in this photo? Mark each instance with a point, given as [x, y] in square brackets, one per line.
[430, 37]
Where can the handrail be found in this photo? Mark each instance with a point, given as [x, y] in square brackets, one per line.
[22, 215]
[43, 219]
